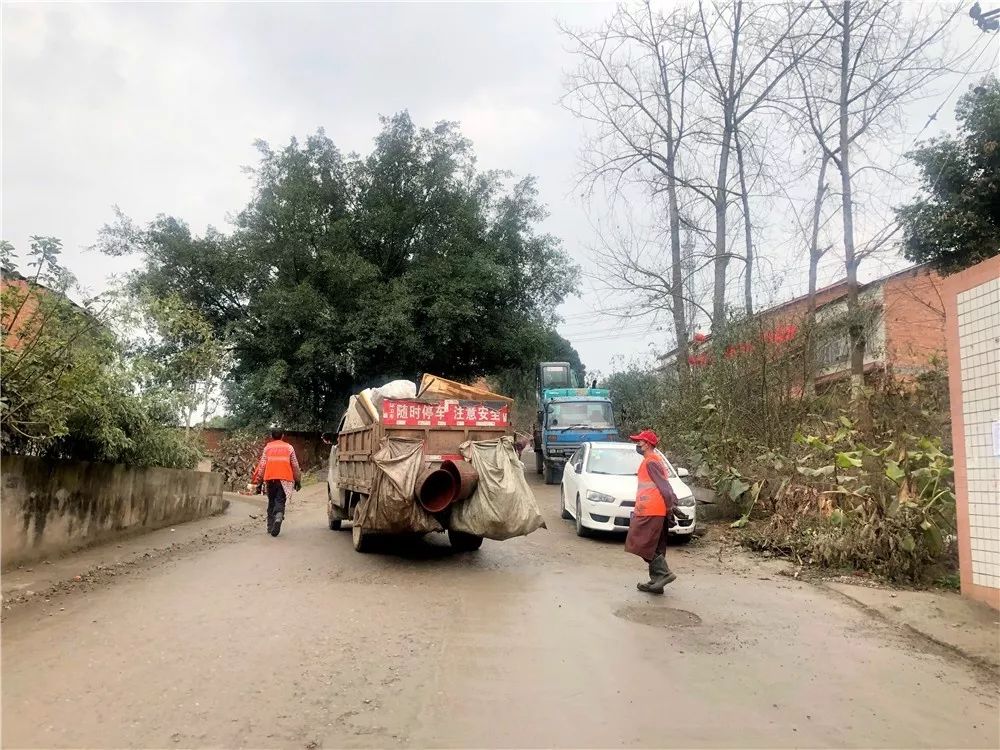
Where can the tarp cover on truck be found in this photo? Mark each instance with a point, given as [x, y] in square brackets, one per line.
[390, 507]
[503, 505]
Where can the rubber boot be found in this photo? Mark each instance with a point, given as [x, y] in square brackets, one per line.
[652, 577]
[276, 524]
[663, 575]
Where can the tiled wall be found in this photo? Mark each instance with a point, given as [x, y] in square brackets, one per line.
[979, 346]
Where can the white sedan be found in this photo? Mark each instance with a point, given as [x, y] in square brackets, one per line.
[599, 485]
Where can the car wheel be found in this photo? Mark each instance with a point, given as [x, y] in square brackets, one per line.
[563, 513]
[581, 530]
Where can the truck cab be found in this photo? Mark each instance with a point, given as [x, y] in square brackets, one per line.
[568, 415]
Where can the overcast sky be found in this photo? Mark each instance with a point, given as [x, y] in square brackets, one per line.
[155, 108]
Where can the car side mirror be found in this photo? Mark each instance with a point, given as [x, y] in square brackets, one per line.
[681, 473]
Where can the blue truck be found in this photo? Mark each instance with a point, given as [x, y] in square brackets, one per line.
[568, 415]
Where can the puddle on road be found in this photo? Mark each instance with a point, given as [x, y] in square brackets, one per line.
[658, 617]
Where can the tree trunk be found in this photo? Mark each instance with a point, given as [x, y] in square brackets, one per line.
[814, 257]
[719, 321]
[747, 227]
[677, 284]
[721, 252]
[856, 329]
[678, 301]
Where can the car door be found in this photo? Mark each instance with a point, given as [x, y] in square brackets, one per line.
[571, 478]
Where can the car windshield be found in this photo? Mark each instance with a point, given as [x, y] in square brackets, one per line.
[617, 461]
[581, 413]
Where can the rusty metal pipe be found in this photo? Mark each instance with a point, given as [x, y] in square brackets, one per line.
[465, 476]
[436, 489]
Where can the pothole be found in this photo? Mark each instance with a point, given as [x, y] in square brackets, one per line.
[659, 617]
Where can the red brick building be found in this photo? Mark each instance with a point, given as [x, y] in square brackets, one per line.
[14, 319]
[907, 332]
[19, 311]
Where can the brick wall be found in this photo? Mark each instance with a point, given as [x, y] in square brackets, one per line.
[309, 448]
[15, 319]
[972, 304]
[914, 321]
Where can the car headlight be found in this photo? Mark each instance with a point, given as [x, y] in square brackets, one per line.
[686, 502]
[599, 497]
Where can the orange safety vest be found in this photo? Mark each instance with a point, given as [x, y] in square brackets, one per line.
[278, 455]
[648, 500]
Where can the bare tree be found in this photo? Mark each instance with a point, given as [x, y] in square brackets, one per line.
[632, 86]
[880, 55]
[748, 52]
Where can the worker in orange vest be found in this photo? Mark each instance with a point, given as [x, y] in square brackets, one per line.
[278, 469]
[654, 504]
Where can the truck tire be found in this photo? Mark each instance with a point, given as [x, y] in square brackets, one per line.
[551, 474]
[462, 542]
[361, 539]
[539, 463]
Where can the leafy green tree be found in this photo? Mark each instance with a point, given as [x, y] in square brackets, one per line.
[344, 271]
[68, 390]
[183, 357]
[956, 222]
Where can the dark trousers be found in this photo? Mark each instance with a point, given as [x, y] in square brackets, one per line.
[275, 500]
[661, 544]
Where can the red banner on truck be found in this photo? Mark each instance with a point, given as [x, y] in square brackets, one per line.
[447, 413]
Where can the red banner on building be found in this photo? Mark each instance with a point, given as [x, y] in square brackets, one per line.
[448, 413]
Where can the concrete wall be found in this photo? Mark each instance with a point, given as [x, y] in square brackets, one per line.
[972, 304]
[52, 507]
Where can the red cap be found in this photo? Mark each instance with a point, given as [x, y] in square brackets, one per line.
[646, 435]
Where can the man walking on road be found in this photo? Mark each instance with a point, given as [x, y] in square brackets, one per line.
[654, 504]
[278, 469]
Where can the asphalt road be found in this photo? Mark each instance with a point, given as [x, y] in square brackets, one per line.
[249, 641]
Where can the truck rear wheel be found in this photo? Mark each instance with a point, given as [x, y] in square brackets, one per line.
[463, 542]
[359, 537]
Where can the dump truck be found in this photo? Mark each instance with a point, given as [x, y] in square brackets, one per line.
[568, 416]
[422, 434]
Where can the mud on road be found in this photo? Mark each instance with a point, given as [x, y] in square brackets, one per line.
[240, 639]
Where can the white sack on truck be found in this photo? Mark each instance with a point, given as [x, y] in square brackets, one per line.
[390, 508]
[353, 419]
[394, 389]
[503, 505]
